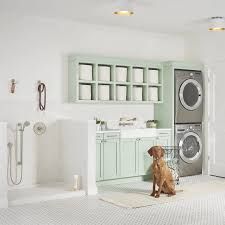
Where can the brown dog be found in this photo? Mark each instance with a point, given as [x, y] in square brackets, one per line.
[162, 175]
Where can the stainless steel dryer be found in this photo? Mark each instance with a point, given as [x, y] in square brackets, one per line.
[188, 96]
[188, 137]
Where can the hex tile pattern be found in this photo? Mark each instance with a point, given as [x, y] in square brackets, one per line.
[209, 210]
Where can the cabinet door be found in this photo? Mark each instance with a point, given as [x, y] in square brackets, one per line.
[145, 161]
[164, 140]
[128, 162]
[99, 160]
[110, 159]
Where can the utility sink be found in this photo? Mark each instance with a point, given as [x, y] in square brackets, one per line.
[135, 133]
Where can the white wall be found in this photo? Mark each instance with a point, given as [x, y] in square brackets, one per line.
[209, 48]
[33, 49]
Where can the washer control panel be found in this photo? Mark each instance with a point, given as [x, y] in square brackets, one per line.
[188, 127]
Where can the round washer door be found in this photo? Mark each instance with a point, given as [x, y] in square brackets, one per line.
[190, 94]
[190, 147]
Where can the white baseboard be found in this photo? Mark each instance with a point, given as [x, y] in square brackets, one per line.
[3, 203]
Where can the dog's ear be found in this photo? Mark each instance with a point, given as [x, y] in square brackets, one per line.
[162, 152]
[150, 151]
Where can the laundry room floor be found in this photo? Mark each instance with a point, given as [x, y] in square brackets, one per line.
[90, 210]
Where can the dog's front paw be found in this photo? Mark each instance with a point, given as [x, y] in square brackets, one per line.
[153, 194]
[157, 196]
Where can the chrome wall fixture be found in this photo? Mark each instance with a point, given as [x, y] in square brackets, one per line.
[12, 86]
[16, 154]
[39, 128]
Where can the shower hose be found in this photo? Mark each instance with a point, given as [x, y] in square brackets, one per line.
[15, 181]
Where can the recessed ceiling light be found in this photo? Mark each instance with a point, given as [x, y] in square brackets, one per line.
[124, 8]
[217, 23]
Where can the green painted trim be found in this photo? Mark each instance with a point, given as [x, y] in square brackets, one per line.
[186, 65]
[93, 59]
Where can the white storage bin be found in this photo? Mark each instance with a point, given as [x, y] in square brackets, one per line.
[103, 92]
[138, 75]
[85, 91]
[153, 94]
[85, 72]
[121, 74]
[137, 93]
[153, 76]
[104, 73]
[121, 93]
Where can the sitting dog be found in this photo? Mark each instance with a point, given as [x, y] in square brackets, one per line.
[162, 175]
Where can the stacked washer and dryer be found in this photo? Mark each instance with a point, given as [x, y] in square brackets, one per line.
[188, 119]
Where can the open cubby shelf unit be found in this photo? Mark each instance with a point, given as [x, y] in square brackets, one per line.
[131, 89]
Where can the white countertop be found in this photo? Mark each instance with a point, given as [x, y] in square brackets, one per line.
[112, 131]
[133, 133]
[107, 131]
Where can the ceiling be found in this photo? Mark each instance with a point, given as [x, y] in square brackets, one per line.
[174, 16]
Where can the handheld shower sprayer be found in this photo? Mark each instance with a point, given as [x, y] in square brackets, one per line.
[18, 151]
[21, 126]
[26, 124]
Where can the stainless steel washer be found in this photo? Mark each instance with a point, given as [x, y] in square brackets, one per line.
[188, 137]
[188, 96]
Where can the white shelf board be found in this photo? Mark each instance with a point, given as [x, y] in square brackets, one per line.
[154, 85]
[87, 82]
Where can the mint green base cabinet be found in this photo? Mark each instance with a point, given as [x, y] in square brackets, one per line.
[110, 159]
[135, 160]
[164, 140]
[145, 161]
[128, 159]
[107, 159]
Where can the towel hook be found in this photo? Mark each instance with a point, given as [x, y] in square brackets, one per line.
[12, 86]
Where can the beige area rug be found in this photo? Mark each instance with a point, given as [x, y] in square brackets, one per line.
[184, 192]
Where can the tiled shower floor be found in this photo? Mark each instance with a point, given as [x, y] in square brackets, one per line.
[40, 193]
[209, 210]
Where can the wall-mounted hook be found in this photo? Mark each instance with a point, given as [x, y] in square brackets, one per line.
[12, 86]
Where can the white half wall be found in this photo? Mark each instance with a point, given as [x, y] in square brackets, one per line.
[3, 166]
[34, 48]
[79, 153]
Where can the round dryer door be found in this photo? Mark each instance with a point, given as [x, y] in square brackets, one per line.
[190, 94]
[190, 147]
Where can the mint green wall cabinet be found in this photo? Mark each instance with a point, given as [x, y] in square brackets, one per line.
[88, 77]
[99, 160]
[144, 159]
[128, 153]
[110, 159]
